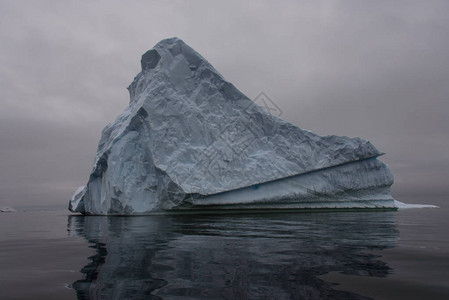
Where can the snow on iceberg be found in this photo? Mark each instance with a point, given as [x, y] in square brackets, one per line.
[189, 140]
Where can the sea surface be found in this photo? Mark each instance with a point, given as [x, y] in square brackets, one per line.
[48, 253]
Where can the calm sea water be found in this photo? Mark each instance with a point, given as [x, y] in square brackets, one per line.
[50, 254]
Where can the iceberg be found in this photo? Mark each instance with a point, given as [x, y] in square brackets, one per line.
[190, 140]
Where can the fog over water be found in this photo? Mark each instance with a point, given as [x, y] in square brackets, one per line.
[374, 69]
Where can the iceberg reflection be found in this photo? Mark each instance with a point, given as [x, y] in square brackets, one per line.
[251, 256]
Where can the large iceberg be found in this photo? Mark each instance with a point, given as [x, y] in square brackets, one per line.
[189, 140]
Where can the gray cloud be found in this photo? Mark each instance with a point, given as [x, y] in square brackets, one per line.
[375, 69]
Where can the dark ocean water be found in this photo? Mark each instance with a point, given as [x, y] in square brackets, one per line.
[50, 254]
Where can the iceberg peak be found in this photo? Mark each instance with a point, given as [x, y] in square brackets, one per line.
[166, 50]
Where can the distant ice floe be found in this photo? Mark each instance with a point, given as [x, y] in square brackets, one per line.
[7, 209]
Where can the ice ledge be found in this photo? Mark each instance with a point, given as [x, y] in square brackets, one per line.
[363, 184]
[401, 205]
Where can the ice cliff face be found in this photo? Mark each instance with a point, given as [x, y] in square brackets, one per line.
[190, 140]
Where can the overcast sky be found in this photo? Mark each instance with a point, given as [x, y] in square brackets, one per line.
[374, 69]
